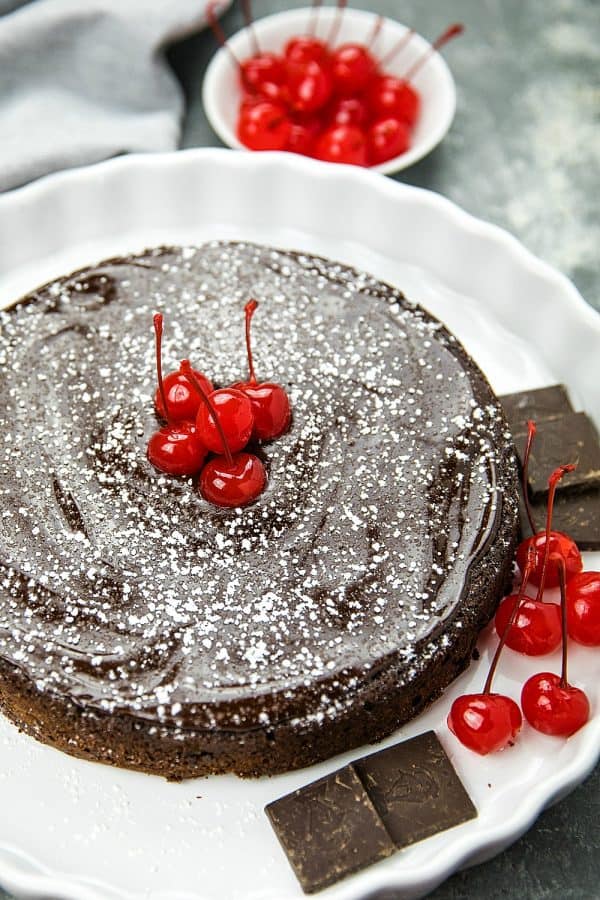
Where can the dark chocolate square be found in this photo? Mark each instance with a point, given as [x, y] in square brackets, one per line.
[577, 515]
[544, 403]
[570, 439]
[329, 829]
[415, 789]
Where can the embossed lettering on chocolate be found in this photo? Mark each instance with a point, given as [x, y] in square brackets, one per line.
[141, 626]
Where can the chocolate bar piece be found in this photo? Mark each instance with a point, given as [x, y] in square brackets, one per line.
[329, 829]
[572, 438]
[415, 789]
[369, 809]
[544, 403]
[577, 515]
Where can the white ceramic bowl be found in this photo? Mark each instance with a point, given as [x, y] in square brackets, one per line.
[222, 94]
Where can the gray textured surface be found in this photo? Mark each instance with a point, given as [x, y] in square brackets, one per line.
[524, 153]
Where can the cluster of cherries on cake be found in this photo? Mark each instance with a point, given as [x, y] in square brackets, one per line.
[535, 626]
[336, 104]
[206, 432]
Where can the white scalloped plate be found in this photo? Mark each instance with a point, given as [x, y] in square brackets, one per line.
[77, 830]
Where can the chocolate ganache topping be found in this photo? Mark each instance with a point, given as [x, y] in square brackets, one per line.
[121, 588]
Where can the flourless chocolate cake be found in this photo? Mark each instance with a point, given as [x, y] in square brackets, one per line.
[143, 627]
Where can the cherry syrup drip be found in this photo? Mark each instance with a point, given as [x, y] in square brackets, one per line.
[489, 722]
[270, 402]
[550, 704]
[233, 479]
[176, 447]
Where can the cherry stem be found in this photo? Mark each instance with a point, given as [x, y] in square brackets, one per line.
[249, 20]
[217, 30]
[552, 484]
[337, 23]
[451, 32]
[562, 575]
[249, 310]
[529, 566]
[402, 43]
[314, 17]
[158, 331]
[186, 368]
[376, 31]
[531, 431]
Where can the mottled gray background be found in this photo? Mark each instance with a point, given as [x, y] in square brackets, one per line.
[524, 152]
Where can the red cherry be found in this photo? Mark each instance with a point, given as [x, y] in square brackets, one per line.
[235, 414]
[393, 97]
[261, 69]
[177, 449]
[232, 483]
[306, 48]
[270, 402]
[485, 723]
[352, 67]
[228, 480]
[488, 722]
[550, 546]
[554, 707]
[343, 144]
[583, 608]
[387, 138]
[182, 399]
[536, 630]
[175, 399]
[560, 544]
[264, 126]
[271, 408]
[263, 74]
[309, 85]
[349, 111]
[549, 702]
[303, 135]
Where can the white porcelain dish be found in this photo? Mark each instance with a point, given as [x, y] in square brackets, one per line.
[221, 92]
[74, 830]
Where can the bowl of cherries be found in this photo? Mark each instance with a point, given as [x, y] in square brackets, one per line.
[336, 84]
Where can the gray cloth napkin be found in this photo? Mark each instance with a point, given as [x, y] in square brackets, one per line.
[83, 80]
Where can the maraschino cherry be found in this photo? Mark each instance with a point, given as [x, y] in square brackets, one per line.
[264, 125]
[583, 608]
[306, 48]
[343, 144]
[229, 416]
[489, 722]
[550, 704]
[551, 543]
[270, 402]
[309, 85]
[175, 448]
[263, 73]
[352, 68]
[387, 138]
[389, 96]
[233, 479]
[182, 401]
[536, 629]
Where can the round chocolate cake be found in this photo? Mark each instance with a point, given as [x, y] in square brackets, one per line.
[143, 627]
